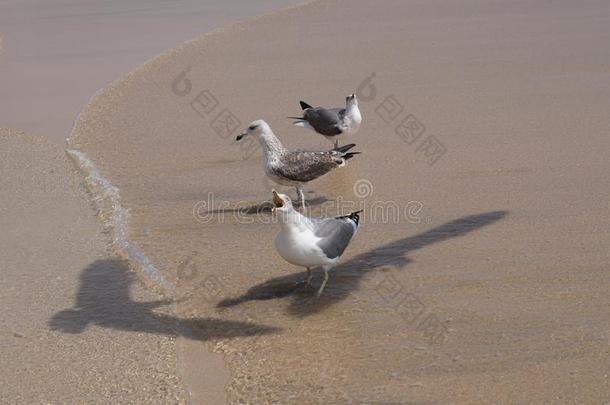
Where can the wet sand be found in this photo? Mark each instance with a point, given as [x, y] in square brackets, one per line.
[493, 288]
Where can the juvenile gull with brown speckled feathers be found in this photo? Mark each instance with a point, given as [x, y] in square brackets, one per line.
[294, 167]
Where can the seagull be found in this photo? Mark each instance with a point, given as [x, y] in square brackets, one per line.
[310, 242]
[331, 122]
[294, 167]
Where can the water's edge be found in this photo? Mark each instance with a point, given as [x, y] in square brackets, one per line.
[106, 196]
[200, 384]
[114, 217]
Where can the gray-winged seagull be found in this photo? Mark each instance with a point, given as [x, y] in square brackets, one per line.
[311, 242]
[294, 167]
[333, 123]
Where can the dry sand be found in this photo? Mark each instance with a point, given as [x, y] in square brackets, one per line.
[494, 291]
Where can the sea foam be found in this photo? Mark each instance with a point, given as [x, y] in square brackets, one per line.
[115, 218]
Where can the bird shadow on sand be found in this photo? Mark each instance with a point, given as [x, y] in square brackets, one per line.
[255, 209]
[104, 299]
[347, 276]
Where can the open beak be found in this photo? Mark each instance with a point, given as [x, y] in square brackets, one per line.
[277, 201]
[241, 136]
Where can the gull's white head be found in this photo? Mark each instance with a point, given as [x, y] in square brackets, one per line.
[257, 128]
[282, 204]
[351, 100]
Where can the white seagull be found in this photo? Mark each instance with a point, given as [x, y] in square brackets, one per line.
[333, 123]
[294, 167]
[310, 242]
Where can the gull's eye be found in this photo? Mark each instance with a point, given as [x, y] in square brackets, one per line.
[252, 127]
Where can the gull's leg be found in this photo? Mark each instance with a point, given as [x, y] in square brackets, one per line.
[298, 194]
[323, 282]
[301, 196]
[309, 276]
[336, 144]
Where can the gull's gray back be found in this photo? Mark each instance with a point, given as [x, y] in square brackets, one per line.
[335, 233]
[327, 121]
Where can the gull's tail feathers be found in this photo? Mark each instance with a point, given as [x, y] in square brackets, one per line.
[345, 155]
[350, 155]
[304, 105]
[354, 216]
[345, 148]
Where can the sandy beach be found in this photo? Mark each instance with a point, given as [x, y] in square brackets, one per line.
[489, 118]
[479, 274]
